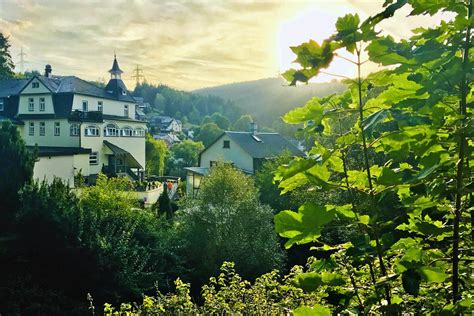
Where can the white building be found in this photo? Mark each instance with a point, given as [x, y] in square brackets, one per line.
[244, 150]
[77, 126]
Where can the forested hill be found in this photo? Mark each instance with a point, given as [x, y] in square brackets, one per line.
[267, 99]
[187, 106]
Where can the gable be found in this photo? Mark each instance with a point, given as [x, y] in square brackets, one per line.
[35, 86]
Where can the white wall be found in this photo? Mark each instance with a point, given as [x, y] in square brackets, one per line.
[110, 107]
[234, 154]
[57, 166]
[63, 140]
[36, 94]
[134, 145]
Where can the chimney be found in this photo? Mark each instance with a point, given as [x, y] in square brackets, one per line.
[253, 128]
[47, 71]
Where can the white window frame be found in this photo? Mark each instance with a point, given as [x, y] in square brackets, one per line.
[31, 129]
[126, 131]
[94, 158]
[31, 104]
[139, 132]
[85, 106]
[42, 105]
[57, 128]
[2, 105]
[111, 130]
[125, 110]
[92, 131]
[74, 130]
[100, 106]
[42, 128]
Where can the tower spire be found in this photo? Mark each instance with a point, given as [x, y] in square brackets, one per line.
[115, 72]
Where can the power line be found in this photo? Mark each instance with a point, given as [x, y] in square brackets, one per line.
[138, 74]
[22, 61]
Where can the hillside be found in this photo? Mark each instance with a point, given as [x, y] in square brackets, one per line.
[267, 99]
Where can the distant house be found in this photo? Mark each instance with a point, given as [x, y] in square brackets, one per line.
[244, 150]
[170, 139]
[166, 124]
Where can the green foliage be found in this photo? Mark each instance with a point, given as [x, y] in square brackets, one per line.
[228, 293]
[156, 152]
[243, 123]
[227, 223]
[395, 151]
[183, 154]
[6, 63]
[208, 133]
[171, 102]
[17, 168]
[220, 121]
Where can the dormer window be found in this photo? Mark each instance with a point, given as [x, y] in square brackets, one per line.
[35, 85]
[42, 105]
[2, 107]
[31, 104]
[125, 110]
[124, 92]
[85, 106]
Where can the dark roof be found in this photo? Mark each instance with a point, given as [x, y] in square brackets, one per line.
[116, 88]
[11, 87]
[115, 67]
[119, 151]
[66, 84]
[262, 145]
[49, 151]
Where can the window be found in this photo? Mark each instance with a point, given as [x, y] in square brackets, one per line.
[74, 130]
[94, 158]
[57, 128]
[91, 130]
[125, 110]
[31, 129]
[111, 130]
[42, 128]
[1, 105]
[85, 106]
[126, 131]
[212, 163]
[35, 85]
[31, 104]
[42, 105]
[139, 132]
[227, 144]
[100, 106]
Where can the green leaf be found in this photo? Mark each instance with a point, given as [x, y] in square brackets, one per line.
[316, 310]
[411, 281]
[332, 279]
[303, 226]
[348, 23]
[433, 274]
[364, 219]
[309, 281]
[312, 111]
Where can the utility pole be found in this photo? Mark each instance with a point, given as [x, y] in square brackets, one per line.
[138, 74]
[22, 61]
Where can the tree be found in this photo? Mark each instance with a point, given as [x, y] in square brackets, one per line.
[159, 103]
[405, 193]
[183, 154]
[17, 167]
[209, 133]
[243, 123]
[221, 121]
[227, 223]
[156, 152]
[6, 64]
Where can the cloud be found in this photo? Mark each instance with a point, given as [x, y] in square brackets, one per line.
[186, 44]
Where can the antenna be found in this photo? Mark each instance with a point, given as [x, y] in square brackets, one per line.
[138, 74]
[22, 61]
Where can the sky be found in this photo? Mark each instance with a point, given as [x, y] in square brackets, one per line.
[181, 43]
